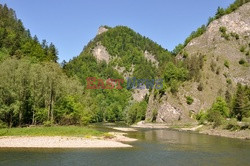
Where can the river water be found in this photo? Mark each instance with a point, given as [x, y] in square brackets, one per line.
[154, 147]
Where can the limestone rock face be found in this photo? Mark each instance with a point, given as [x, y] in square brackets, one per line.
[101, 30]
[151, 58]
[215, 50]
[160, 110]
[101, 53]
[167, 113]
[139, 94]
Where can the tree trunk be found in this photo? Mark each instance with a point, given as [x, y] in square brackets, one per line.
[33, 117]
[51, 112]
[20, 118]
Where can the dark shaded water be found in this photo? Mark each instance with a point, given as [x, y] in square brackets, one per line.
[154, 147]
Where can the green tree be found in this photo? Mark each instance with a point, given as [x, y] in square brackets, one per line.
[241, 102]
[218, 111]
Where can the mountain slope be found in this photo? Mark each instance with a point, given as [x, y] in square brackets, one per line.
[218, 59]
[119, 53]
[16, 41]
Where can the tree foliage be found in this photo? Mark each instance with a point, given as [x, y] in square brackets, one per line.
[15, 40]
[241, 102]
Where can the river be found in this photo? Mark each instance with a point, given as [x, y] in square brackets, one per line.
[154, 147]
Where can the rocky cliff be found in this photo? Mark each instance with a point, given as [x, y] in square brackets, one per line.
[224, 49]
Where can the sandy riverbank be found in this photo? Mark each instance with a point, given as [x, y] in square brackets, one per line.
[65, 142]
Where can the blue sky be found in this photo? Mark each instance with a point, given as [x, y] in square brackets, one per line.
[71, 24]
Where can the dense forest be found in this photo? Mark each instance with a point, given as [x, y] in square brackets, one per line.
[33, 87]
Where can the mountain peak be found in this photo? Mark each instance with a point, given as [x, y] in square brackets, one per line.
[102, 29]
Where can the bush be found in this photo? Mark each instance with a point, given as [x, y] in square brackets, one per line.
[155, 113]
[247, 53]
[3, 125]
[226, 64]
[185, 54]
[242, 61]
[223, 29]
[242, 49]
[136, 112]
[200, 87]
[235, 35]
[246, 120]
[201, 117]
[215, 117]
[213, 65]
[232, 125]
[48, 123]
[218, 70]
[190, 100]
[218, 112]
[225, 36]
[229, 81]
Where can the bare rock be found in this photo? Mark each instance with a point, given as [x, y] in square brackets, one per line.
[101, 30]
[168, 114]
[150, 57]
[101, 53]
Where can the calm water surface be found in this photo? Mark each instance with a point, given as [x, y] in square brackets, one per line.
[154, 147]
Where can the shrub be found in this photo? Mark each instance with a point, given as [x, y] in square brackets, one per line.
[174, 87]
[226, 64]
[246, 120]
[200, 87]
[213, 65]
[218, 111]
[185, 54]
[229, 81]
[242, 61]
[218, 70]
[3, 125]
[48, 123]
[154, 115]
[215, 117]
[136, 112]
[225, 36]
[247, 53]
[235, 35]
[223, 29]
[201, 117]
[242, 49]
[232, 124]
[190, 100]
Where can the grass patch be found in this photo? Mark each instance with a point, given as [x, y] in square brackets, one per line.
[76, 131]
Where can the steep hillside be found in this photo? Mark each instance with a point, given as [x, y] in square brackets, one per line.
[33, 87]
[217, 60]
[116, 53]
[128, 52]
[16, 41]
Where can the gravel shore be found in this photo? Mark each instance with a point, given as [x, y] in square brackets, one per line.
[64, 142]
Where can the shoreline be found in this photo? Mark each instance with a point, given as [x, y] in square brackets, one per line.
[115, 141]
[238, 134]
[201, 129]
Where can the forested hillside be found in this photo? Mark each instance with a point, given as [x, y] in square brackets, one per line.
[125, 54]
[16, 41]
[33, 87]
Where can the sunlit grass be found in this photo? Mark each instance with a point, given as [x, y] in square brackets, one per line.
[52, 131]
